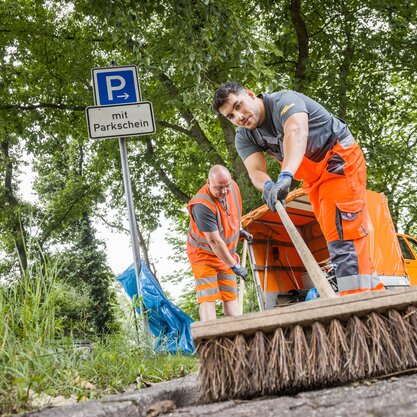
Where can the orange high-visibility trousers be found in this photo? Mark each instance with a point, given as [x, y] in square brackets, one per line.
[337, 193]
[213, 283]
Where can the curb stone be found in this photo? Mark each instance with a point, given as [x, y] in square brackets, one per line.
[182, 391]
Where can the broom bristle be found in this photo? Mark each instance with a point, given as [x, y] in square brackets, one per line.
[291, 359]
[280, 362]
[339, 358]
[410, 322]
[239, 368]
[300, 351]
[383, 352]
[402, 341]
[258, 364]
[358, 337]
[320, 352]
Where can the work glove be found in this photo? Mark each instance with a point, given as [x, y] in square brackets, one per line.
[245, 234]
[241, 271]
[278, 191]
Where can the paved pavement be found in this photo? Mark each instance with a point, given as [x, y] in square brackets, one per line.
[389, 397]
[396, 396]
[148, 402]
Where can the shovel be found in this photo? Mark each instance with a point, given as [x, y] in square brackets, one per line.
[316, 274]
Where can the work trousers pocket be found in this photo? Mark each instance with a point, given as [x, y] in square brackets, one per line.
[350, 220]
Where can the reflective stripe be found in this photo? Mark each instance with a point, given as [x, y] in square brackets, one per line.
[357, 282]
[206, 280]
[204, 197]
[205, 248]
[204, 241]
[209, 291]
[198, 239]
[220, 223]
[198, 245]
[236, 205]
[232, 238]
[227, 277]
[227, 288]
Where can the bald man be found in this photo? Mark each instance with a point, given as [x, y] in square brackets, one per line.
[213, 234]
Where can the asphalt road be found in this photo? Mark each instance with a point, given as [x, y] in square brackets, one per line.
[394, 396]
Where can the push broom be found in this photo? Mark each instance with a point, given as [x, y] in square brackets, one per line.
[324, 342]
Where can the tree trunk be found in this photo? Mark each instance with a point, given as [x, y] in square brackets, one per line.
[348, 53]
[11, 207]
[250, 196]
[303, 45]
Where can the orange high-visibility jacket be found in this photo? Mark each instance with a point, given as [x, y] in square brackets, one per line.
[198, 248]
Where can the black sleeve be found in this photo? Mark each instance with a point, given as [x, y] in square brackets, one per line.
[205, 219]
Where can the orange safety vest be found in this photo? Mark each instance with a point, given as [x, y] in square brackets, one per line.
[198, 248]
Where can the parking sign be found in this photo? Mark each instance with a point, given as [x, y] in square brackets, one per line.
[116, 85]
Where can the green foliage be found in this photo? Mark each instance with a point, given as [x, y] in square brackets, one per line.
[36, 357]
[85, 268]
[188, 303]
[73, 308]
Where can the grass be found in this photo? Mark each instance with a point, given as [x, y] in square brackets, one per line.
[37, 357]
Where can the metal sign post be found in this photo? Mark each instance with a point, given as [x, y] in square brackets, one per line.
[133, 227]
[119, 112]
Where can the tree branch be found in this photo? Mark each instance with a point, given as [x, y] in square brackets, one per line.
[195, 130]
[174, 127]
[47, 232]
[164, 177]
[49, 35]
[41, 106]
[111, 225]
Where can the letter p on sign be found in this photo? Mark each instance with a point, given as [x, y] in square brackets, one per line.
[114, 83]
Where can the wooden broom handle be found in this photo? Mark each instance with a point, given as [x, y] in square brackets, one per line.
[242, 282]
[316, 274]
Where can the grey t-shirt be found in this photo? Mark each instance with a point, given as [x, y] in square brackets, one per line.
[324, 128]
[204, 218]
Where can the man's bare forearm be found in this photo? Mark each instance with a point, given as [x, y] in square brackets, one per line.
[218, 246]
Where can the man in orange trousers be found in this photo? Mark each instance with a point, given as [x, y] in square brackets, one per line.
[213, 234]
[314, 147]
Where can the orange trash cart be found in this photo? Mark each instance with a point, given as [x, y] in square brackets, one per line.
[279, 274]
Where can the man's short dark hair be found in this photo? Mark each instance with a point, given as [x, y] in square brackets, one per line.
[222, 93]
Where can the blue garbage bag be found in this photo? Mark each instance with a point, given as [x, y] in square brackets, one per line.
[167, 322]
[312, 294]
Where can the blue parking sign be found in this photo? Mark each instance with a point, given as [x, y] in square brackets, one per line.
[116, 85]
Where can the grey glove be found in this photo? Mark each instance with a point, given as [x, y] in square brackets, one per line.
[279, 191]
[245, 234]
[241, 271]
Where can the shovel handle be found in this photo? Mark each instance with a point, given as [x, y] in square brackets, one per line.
[316, 274]
[242, 282]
